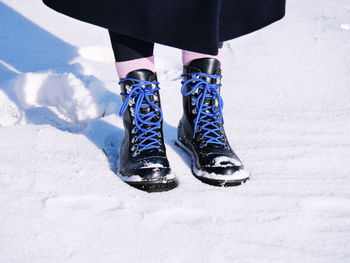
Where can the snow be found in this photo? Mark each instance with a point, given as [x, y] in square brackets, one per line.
[152, 165]
[224, 161]
[287, 115]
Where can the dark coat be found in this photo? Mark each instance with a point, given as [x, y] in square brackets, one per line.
[196, 25]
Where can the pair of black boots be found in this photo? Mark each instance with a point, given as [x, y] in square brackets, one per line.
[143, 162]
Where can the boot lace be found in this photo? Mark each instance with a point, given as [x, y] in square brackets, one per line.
[147, 122]
[209, 117]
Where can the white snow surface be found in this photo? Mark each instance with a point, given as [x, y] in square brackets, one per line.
[287, 115]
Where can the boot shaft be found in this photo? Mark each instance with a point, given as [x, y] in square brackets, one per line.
[142, 109]
[208, 66]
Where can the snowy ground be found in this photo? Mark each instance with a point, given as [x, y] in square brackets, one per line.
[287, 109]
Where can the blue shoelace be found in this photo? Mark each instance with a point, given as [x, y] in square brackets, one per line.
[209, 117]
[148, 124]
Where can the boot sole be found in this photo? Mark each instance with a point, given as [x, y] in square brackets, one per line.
[166, 183]
[206, 180]
[155, 185]
[150, 186]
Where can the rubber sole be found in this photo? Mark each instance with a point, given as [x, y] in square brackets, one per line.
[152, 187]
[155, 185]
[210, 181]
[221, 183]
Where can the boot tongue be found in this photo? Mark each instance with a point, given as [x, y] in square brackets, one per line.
[210, 66]
[142, 74]
[205, 65]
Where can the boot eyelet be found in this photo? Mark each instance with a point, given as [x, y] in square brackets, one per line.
[134, 130]
[131, 102]
[193, 101]
[201, 145]
[128, 88]
[194, 111]
[134, 148]
[135, 153]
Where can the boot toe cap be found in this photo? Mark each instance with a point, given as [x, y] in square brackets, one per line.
[221, 168]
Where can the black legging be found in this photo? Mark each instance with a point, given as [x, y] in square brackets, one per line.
[127, 48]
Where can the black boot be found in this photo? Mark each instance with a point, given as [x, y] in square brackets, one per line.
[143, 160]
[201, 132]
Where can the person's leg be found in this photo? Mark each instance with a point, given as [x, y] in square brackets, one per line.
[201, 130]
[142, 162]
[131, 54]
[188, 56]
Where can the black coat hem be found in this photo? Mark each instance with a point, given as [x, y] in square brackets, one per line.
[190, 25]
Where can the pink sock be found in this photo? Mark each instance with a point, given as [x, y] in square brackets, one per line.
[188, 56]
[123, 68]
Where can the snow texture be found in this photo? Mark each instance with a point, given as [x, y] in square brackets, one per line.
[287, 115]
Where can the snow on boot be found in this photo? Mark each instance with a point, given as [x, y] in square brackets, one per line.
[143, 161]
[201, 132]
